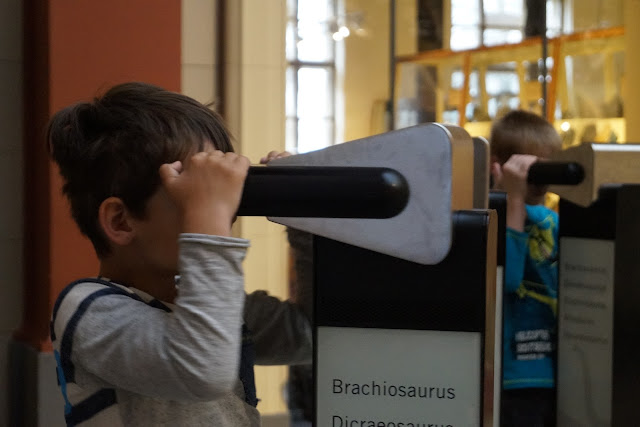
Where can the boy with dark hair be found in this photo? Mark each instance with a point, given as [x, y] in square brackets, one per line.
[165, 334]
[531, 277]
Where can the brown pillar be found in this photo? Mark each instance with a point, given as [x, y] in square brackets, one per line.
[72, 51]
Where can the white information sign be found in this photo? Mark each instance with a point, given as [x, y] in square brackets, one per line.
[497, 349]
[585, 334]
[398, 378]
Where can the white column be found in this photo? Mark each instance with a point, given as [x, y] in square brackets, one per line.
[254, 97]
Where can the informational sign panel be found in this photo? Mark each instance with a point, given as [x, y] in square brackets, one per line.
[498, 202]
[497, 363]
[398, 378]
[585, 339]
[401, 344]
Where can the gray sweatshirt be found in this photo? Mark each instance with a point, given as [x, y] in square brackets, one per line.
[125, 358]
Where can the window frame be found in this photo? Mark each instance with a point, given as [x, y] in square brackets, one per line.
[293, 68]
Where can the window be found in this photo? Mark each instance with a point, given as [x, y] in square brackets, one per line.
[310, 78]
[476, 23]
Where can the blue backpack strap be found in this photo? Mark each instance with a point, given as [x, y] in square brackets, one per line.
[65, 370]
[66, 343]
[92, 405]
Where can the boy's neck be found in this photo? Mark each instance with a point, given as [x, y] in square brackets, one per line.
[160, 286]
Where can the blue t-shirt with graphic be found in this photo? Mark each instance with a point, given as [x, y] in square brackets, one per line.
[530, 301]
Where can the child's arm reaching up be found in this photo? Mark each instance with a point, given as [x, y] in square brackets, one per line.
[511, 177]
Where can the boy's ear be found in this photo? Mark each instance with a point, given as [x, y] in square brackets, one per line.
[115, 221]
[495, 174]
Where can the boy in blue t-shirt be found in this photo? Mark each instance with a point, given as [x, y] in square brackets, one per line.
[518, 140]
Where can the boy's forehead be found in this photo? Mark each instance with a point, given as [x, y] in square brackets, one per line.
[539, 150]
[207, 147]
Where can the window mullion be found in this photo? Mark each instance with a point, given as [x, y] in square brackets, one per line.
[321, 115]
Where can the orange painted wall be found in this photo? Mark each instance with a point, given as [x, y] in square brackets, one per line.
[72, 51]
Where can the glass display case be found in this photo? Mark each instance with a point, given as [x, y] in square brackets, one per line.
[430, 88]
[589, 83]
[584, 81]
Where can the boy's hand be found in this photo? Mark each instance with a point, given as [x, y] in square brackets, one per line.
[207, 190]
[512, 176]
[274, 155]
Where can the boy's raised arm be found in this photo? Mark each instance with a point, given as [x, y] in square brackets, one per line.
[191, 353]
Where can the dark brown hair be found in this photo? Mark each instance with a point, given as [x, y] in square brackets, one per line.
[114, 146]
[521, 132]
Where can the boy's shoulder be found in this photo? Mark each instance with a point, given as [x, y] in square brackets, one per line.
[78, 295]
[89, 287]
[542, 216]
[84, 291]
